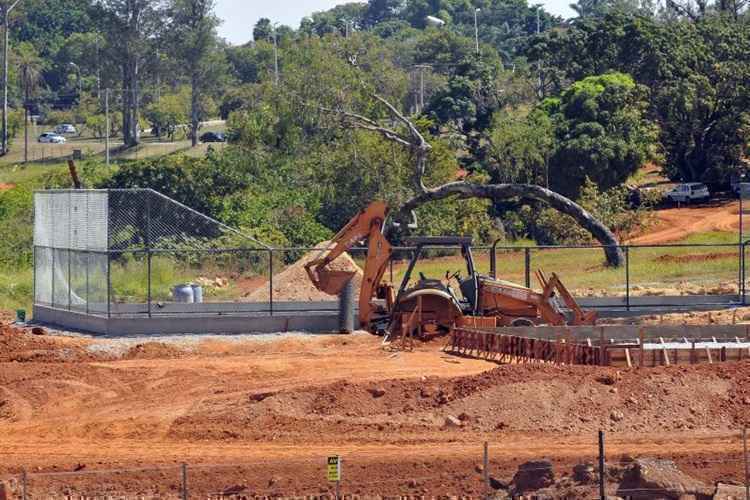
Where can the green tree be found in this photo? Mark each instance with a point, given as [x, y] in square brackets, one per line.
[520, 145]
[263, 30]
[697, 72]
[602, 133]
[167, 114]
[195, 41]
[30, 67]
[132, 26]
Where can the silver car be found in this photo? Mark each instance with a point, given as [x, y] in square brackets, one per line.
[52, 138]
[66, 129]
[691, 191]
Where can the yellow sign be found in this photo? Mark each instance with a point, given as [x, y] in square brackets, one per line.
[334, 468]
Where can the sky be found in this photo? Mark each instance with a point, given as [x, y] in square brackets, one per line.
[240, 16]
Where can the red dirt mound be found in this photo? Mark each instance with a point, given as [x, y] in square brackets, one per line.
[293, 283]
[21, 345]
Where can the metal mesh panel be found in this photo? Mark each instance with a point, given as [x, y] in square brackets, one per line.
[60, 219]
[71, 220]
[43, 276]
[78, 281]
[96, 266]
[43, 220]
[140, 219]
[122, 252]
[60, 269]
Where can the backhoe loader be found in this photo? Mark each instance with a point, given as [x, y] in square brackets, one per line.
[430, 306]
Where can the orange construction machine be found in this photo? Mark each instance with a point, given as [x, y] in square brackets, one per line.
[428, 305]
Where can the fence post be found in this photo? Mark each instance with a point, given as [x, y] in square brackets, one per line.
[486, 469]
[747, 464]
[23, 484]
[184, 482]
[527, 266]
[270, 279]
[743, 273]
[148, 249]
[602, 466]
[627, 278]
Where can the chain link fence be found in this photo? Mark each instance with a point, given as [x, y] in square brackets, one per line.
[137, 253]
[590, 470]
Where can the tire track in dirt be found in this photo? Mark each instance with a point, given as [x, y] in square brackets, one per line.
[674, 224]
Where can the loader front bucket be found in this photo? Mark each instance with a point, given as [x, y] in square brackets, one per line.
[330, 281]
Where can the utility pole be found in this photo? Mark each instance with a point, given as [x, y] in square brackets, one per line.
[6, 27]
[539, 63]
[98, 70]
[275, 57]
[106, 126]
[25, 116]
[421, 68]
[476, 28]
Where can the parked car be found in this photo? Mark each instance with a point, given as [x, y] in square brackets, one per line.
[691, 191]
[66, 129]
[213, 137]
[52, 138]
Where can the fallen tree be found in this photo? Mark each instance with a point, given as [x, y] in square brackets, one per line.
[420, 149]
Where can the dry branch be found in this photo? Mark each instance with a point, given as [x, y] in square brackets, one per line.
[498, 192]
[420, 148]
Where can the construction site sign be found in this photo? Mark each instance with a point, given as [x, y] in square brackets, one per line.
[334, 468]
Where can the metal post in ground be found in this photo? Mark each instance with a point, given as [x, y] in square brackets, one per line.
[747, 463]
[602, 466]
[346, 308]
[184, 490]
[106, 127]
[527, 267]
[486, 469]
[627, 278]
[270, 280]
[23, 484]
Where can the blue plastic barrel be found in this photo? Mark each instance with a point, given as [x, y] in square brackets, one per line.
[197, 294]
[183, 293]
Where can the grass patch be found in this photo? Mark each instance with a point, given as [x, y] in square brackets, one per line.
[16, 288]
[586, 268]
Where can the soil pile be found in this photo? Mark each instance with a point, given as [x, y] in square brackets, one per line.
[21, 345]
[293, 284]
[512, 398]
[630, 478]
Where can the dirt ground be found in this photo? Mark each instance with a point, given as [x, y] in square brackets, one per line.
[674, 224]
[259, 417]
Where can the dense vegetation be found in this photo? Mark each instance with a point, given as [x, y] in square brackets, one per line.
[575, 105]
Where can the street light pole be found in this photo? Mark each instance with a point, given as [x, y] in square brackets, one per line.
[6, 16]
[78, 72]
[476, 28]
[106, 126]
[275, 57]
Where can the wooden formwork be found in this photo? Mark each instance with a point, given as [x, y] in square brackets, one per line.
[505, 348]
[605, 346]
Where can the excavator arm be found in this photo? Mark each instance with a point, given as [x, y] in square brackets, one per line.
[367, 224]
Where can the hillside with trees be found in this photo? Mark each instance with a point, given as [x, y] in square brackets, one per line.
[576, 106]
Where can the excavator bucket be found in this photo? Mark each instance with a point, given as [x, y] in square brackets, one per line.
[367, 224]
[330, 281]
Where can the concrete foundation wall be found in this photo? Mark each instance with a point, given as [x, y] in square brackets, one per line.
[313, 322]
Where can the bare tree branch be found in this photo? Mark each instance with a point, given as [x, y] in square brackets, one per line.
[366, 123]
[498, 192]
